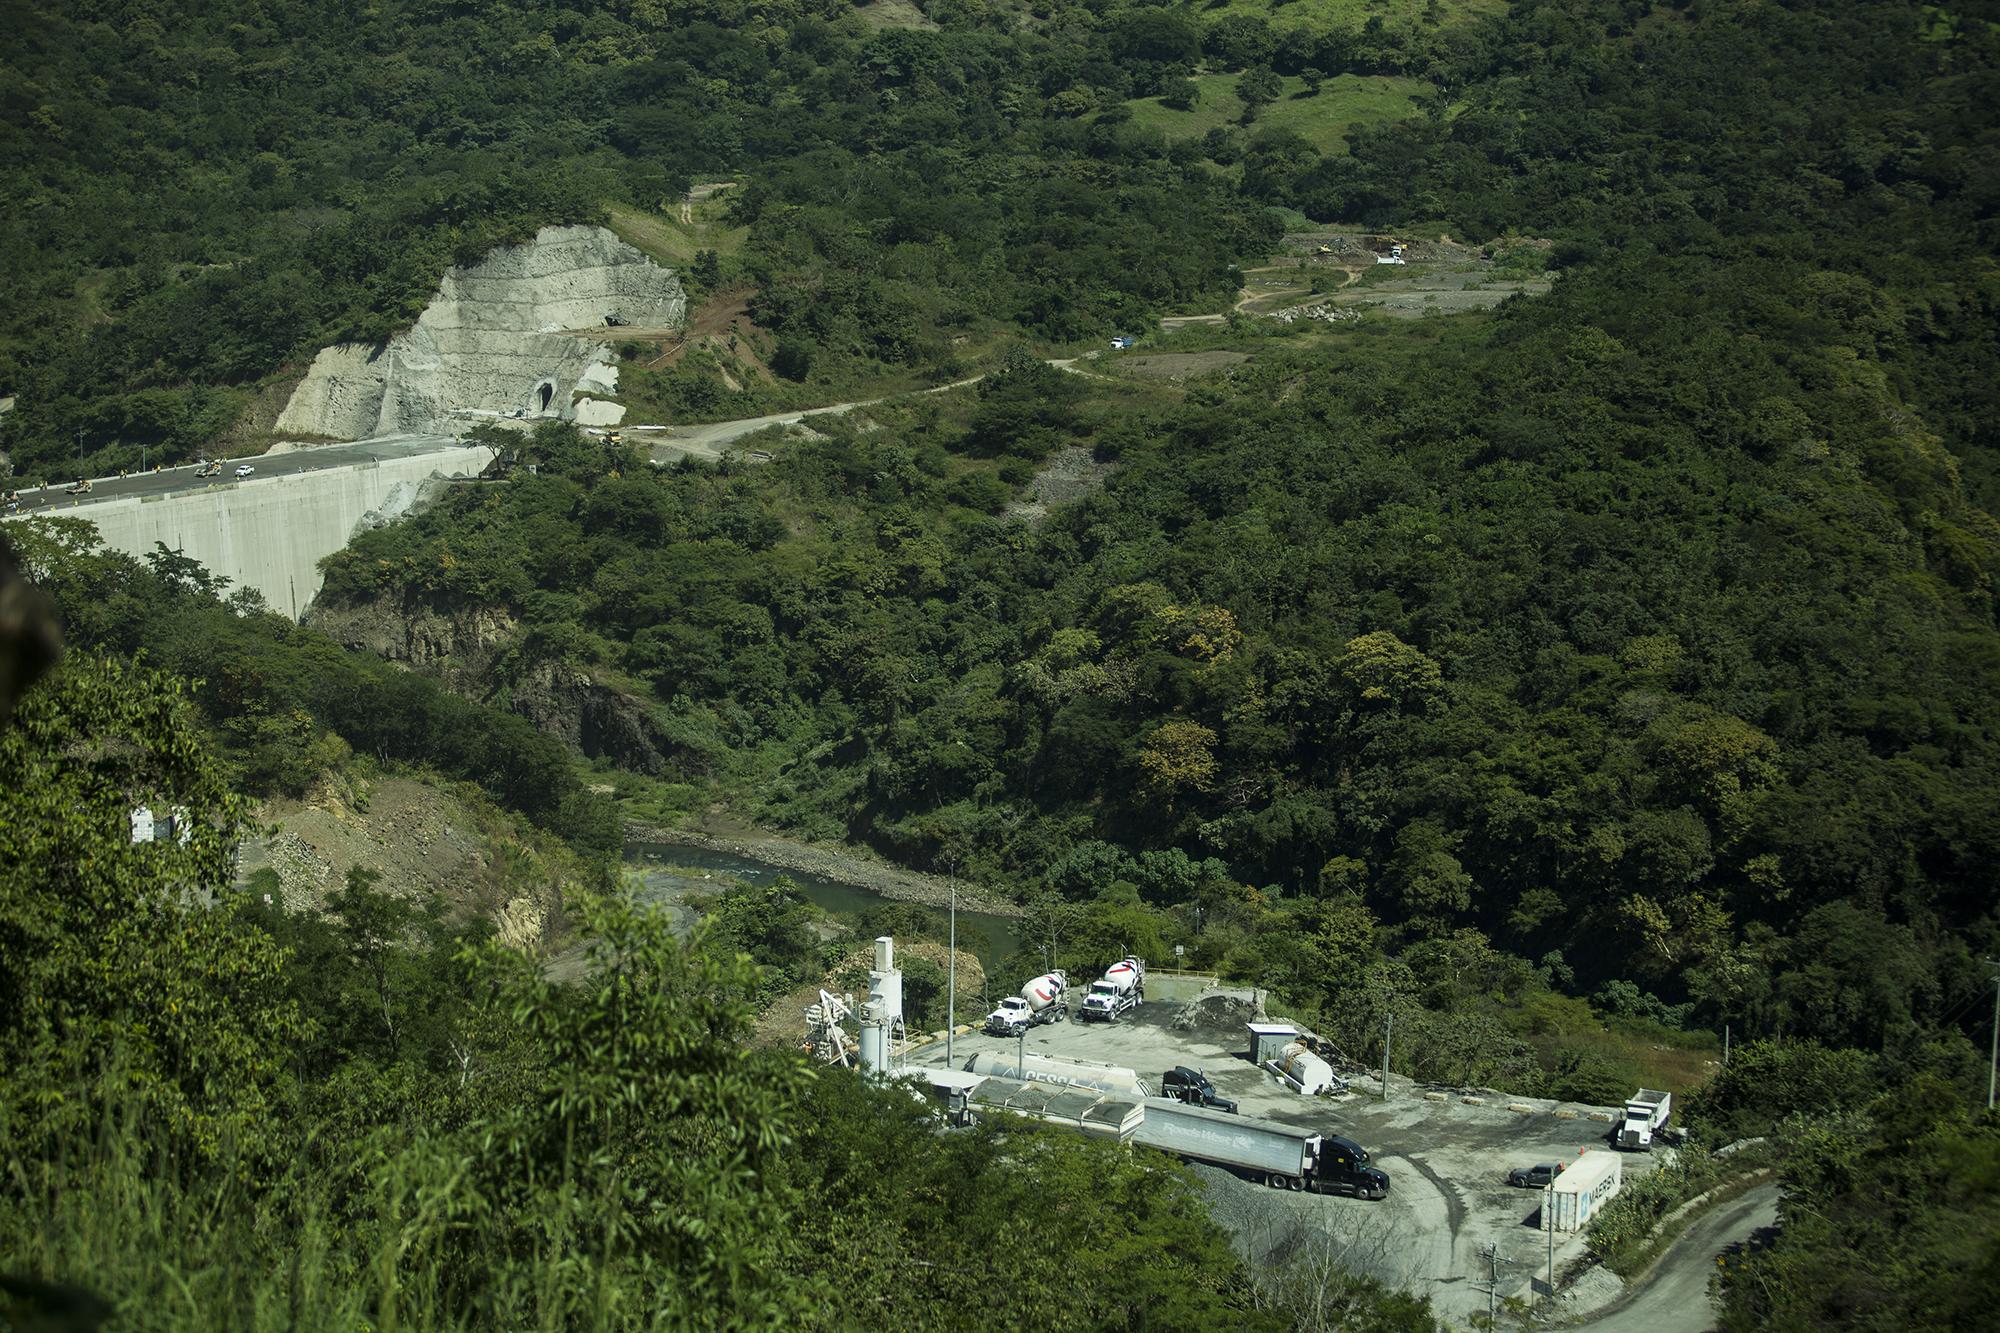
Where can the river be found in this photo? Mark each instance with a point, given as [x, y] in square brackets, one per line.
[668, 871]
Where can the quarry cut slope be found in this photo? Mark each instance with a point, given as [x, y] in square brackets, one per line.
[490, 341]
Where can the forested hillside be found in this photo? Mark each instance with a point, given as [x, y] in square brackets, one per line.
[1562, 683]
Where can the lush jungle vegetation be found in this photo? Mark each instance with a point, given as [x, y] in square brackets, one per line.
[1590, 674]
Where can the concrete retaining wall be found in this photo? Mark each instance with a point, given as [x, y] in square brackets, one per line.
[270, 533]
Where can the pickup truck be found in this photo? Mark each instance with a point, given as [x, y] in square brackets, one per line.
[1534, 1177]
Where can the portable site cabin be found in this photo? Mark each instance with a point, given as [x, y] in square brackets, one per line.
[1585, 1186]
[1269, 1040]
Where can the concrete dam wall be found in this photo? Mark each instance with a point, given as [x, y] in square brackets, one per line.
[491, 341]
[270, 533]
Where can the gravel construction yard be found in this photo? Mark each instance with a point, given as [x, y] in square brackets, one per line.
[1447, 1161]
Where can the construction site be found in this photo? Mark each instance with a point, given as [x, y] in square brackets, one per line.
[1287, 1167]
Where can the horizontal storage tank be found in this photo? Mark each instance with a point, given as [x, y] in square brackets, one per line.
[1586, 1185]
[1047, 1069]
[1102, 1115]
[1303, 1070]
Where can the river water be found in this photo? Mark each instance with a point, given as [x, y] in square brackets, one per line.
[669, 870]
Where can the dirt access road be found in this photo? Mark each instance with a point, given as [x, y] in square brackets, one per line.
[1675, 1299]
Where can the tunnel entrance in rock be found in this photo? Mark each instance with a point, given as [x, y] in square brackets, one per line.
[546, 393]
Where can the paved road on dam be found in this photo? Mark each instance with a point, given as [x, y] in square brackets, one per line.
[182, 478]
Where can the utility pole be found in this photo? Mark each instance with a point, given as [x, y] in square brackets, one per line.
[951, 978]
[1388, 1027]
[1549, 1222]
[1491, 1254]
[1993, 1060]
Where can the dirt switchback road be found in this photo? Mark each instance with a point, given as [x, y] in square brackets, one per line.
[1675, 1299]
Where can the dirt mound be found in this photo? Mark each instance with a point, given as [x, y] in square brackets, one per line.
[1218, 1014]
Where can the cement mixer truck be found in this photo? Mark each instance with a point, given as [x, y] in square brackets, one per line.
[1121, 989]
[1043, 1000]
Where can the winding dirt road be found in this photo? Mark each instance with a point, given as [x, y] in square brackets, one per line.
[1675, 1298]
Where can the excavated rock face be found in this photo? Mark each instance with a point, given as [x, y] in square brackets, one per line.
[490, 340]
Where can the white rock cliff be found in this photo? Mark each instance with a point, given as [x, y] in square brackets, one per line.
[489, 342]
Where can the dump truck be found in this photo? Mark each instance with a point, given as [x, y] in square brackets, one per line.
[1043, 1000]
[1121, 989]
[1646, 1114]
[1282, 1156]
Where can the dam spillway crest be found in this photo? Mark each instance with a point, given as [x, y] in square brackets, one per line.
[505, 336]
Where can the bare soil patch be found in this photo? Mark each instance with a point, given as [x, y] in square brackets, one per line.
[1180, 365]
[1069, 474]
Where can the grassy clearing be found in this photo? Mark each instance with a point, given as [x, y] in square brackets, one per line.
[880, 14]
[1322, 120]
[1353, 13]
[672, 242]
[1632, 1051]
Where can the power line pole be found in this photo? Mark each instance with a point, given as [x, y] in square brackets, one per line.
[951, 979]
[1388, 1027]
[1993, 1060]
[1549, 1221]
[1491, 1254]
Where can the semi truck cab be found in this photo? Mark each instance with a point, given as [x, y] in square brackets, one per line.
[1192, 1086]
[1344, 1168]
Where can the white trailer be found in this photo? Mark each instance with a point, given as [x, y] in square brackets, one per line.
[1646, 1114]
[1585, 1186]
[1283, 1156]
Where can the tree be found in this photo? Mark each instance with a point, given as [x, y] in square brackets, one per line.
[118, 987]
[1178, 756]
[1258, 88]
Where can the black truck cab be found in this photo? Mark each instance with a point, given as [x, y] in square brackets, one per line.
[1344, 1168]
[1192, 1086]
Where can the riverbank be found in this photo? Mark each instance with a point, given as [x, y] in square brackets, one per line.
[847, 865]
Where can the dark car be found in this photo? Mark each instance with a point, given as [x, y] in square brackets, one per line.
[1536, 1176]
[1192, 1086]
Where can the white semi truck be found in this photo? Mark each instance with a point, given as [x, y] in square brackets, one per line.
[1043, 1000]
[1122, 988]
[1646, 1114]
